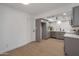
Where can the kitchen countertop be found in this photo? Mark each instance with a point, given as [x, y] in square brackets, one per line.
[63, 31]
[71, 35]
[56, 31]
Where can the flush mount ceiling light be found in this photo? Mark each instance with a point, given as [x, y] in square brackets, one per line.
[64, 14]
[25, 3]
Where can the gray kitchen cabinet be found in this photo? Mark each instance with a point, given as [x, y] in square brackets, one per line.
[48, 34]
[60, 35]
[57, 34]
[52, 34]
[75, 17]
[71, 46]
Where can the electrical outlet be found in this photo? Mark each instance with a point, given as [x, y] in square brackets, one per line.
[7, 45]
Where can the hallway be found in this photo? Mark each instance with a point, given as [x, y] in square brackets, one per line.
[50, 47]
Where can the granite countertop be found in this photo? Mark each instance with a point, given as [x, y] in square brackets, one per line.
[71, 35]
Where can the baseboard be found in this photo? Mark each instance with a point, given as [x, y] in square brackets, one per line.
[5, 52]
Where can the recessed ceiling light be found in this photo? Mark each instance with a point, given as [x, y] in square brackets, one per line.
[64, 14]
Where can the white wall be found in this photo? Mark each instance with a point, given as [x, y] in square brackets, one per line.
[16, 28]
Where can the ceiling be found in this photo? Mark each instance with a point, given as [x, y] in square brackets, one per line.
[38, 8]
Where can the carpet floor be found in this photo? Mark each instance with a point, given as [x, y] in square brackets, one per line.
[49, 47]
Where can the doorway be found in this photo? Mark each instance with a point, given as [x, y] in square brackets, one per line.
[43, 26]
[41, 32]
[38, 27]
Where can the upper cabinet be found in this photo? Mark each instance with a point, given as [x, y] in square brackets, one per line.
[75, 17]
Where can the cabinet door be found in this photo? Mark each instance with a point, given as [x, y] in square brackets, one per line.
[57, 35]
[53, 34]
[75, 19]
[71, 46]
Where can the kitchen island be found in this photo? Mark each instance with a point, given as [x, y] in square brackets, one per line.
[71, 44]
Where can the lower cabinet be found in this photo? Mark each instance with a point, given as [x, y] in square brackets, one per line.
[52, 34]
[58, 35]
[71, 46]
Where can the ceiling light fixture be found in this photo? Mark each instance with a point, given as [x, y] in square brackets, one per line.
[26, 3]
[64, 14]
[58, 22]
